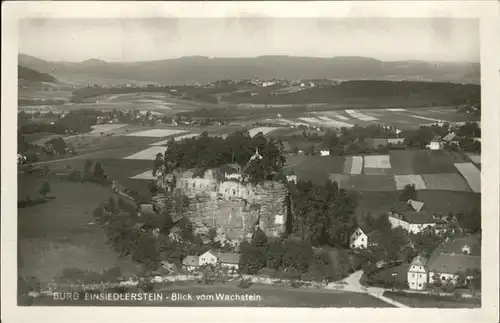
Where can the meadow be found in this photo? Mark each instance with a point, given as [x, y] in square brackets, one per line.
[61, 233]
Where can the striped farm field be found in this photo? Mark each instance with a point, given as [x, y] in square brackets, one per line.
[315, 168]
[147, 154]
[377, 161]
[377, 171]
[178, 138]
[445, 182]
[471, 174]
[157, 133]
[105, 128]
[476, 159]
[360, 116]
[403, 180]
[408, 162]
[433, 162]
[147, 175]
[264, 130]
[371, 183]
[353, 165]
[341, 179]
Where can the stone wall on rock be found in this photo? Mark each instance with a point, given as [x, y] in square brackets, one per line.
[236, 213]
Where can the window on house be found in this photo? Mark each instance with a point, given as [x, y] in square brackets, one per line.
[419, 285]
[194, 184]
[413, 275]
[362, 239]
[443, 278]
[352, 245]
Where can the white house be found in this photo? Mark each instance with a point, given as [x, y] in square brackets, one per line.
[324, 152]
[226, 259]
[436, 144]
[417, 273]
[458, 256]
[360, 239]
[208, 258]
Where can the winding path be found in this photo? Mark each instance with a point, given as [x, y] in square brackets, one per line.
[352, 284]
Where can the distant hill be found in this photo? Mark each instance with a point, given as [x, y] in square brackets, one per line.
[30, 75]
[203, 69]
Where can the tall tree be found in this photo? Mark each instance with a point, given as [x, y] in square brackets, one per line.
[409, 193]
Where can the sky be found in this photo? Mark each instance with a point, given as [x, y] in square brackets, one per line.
[125, 40]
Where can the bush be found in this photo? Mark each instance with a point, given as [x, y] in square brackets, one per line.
[245, 283]
[268, 272]
[75, 176]
[146, 286]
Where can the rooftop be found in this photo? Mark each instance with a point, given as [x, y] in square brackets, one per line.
[454, 263]
[227, 257]
[414, 217]
[191, 261]
[419, 261]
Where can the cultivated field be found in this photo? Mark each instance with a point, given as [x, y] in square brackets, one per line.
[176, 138]
[471, 174]
[403, 180]
[264, 130]
[399, 118]
[158, 133]
[147, 154]
[105, 128]
[476, 159]
[427, 170]
[446, 182]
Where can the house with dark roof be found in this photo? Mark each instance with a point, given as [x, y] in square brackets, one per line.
[412, 216]
[363, 238]
[191, 262]
[447, 262]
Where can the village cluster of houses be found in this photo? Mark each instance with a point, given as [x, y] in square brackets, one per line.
[446, 262]
[451, 138]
